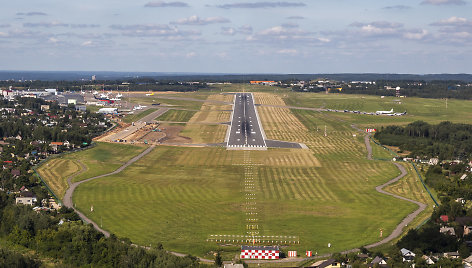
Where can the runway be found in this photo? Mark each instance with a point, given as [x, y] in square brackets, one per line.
[245, 130]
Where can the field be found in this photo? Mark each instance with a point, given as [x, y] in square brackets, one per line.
[430, 110]
[325, 194]
[138, 115]
[206, 124]
[101, 159]
[176, 115]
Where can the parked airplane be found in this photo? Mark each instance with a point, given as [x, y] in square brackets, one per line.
[107, 100]
[400, 114]
[139, 107]
[384, 112]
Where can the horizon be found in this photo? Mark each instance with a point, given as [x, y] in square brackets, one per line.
[402, 37]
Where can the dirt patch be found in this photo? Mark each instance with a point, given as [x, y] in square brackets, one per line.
[172, 135]
[119, 127]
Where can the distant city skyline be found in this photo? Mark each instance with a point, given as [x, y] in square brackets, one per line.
[301, 36]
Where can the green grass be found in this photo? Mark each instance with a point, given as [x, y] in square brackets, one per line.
[56, 171]
[101, 159]
[104, 158]
[136, 116]
[176, 115]
[93, 108]
[179, 196]
[431, 110]
[149, 100]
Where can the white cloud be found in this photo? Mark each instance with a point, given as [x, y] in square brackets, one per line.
[397, 7]
[245, 29]
[53, 40]
[296, 18]
[170, 33]
[443, 2]
[415, 35]
[262, 5]
[87, 43]
[166, 4]
[191, 54]
[34, 13]
[195, 20]
[45, 24]
[453, 21]
[287, 51]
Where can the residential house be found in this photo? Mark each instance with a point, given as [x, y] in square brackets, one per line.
[428, 260]
[26, 198]
[467, 229]
[233, 265]
[330, 263]
[433, 161]
[467, 262]
[447, 230]
[15, 173]
[378, 261]
[444, 218]
[452, 255]
[407, 255]
[55, 145]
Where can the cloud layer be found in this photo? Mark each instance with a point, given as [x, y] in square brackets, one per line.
[443, 2]
[195, 20]
[166, 4]
[262, 5]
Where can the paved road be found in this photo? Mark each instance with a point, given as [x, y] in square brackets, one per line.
[245, 130]
[150, 118]
[67, 200]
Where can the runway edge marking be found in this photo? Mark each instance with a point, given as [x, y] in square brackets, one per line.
[259, 120]
[228, 130]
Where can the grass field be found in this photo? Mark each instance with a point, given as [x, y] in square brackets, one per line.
[179, 196]
[56, 171]
[149, 100]
[103, 158]
[213, 114]
[431, 110]
[138, 115]
[176, 115]
[326, 194]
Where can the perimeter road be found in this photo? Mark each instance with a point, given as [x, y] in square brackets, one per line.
[68, 196]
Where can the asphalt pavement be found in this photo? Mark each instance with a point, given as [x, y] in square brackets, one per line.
[245, 130]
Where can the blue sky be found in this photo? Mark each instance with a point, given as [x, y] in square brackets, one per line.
[232, 36]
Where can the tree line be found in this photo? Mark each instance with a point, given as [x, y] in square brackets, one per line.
[63, 237]
[446, 140]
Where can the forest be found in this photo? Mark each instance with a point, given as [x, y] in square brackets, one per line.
[445, 140]
[63, 237]
[422, 89]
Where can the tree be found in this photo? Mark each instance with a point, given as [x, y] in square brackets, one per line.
[218, 260]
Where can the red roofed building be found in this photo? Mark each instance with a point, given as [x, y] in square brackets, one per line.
[444, 218]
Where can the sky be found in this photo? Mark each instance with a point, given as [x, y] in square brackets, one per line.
[237, 36]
